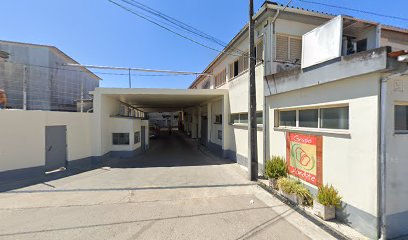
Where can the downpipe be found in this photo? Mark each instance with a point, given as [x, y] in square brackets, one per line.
[382, 152]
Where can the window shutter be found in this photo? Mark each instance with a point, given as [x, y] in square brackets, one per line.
[246, 61]
[224, 76]
[295, 49]
[220, 78]
[282, 45]
[259, 52]
[231, 70]
[241, 64]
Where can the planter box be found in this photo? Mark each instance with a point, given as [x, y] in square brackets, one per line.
[273, 183]
[324, 212]
[291, 197]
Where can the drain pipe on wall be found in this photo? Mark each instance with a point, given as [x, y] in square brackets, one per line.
[382, 151]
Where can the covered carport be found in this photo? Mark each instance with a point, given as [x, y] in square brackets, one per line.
[204, 117]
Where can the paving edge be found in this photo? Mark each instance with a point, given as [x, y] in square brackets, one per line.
[332, 231]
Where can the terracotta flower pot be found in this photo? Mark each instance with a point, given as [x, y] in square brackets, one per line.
[324, 212]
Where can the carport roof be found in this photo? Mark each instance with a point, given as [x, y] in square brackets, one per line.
[162, 100]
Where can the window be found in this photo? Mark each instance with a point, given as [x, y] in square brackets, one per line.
[243, 118]
[334, 118]
[120, 138]
[308, 118]
[362, 45]
[236, 65]
[234, 118]
[206, 85]
[239, 118]
[218, 119]
[136, 137]
[330, 118]
[288, 48]
[239, 66]
[220, 78]
[401, 118]
[287, 118]
[259, 118]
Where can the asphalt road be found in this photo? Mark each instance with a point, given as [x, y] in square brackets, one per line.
[173, 191]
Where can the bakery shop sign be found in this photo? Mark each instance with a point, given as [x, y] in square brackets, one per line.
[304, 157]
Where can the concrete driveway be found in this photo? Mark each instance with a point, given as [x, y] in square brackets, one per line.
[174, 191]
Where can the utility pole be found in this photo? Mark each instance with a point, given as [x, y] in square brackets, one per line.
[130, 79]
[252, 128]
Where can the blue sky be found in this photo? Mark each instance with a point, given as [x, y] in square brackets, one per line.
[100, 33]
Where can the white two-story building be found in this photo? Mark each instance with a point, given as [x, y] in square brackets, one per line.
[330, 81]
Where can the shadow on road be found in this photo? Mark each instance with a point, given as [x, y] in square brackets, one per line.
[174, 150]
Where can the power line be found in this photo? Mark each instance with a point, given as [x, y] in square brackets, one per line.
[355, 10]
[136, 69]
[176, 33]
[175, 21]
[181, 25]
[168, 29]
[112, 68]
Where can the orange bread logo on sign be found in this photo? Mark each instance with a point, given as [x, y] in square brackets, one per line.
[304, 157]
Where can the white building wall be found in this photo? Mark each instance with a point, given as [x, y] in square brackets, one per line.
[349, 156]
[396, 188]
[22, 144]
[125, 125]
[216, 109]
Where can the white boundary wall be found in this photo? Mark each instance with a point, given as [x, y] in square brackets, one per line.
[22, 141]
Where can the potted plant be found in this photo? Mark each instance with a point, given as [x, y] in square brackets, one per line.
[326, 201]
[274, 169]
[295, 191]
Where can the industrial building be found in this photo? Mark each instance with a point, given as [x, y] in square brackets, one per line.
[36, 77]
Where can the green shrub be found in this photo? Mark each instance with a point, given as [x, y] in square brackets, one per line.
[303, 192]
[287, 185]
[276, 167]
[293, 186]
[328, 196]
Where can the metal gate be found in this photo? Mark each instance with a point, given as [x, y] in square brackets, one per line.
[204, 133]
[143, 138]
[55, 147]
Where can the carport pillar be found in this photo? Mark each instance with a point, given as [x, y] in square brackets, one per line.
[209, 117]
[194, 124]
[199, 122]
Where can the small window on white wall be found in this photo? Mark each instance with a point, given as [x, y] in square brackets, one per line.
[287, 118]
[401, 118]
[308, 118]
[218, 119]
[330, 118]
[120, 138]
[334, 118]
